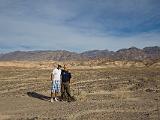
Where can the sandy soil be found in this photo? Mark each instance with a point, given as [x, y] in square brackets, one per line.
[102, 94]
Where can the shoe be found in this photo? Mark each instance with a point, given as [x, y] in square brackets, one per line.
[56, 99]
[51, 99]
[69, 101]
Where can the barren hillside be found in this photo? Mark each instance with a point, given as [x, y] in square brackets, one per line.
[149, 53]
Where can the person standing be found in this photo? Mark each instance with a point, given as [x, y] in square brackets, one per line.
[56, 82]
[65, 85]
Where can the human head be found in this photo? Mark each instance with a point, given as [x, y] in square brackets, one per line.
[65, 67]
[59, 66]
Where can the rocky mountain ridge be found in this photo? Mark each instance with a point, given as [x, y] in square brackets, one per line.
[131, 54]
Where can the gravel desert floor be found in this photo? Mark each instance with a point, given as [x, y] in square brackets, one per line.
[101, 94]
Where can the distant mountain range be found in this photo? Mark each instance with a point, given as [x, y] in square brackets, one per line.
[133, 53]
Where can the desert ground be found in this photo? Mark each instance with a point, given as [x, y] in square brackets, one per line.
[101, 92]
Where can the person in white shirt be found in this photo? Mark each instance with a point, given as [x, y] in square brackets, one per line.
[56, 82]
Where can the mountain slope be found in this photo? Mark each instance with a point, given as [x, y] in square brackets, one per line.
[132, 53]
[94, 54]
[58, 55]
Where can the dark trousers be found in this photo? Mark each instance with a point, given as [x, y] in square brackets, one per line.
[65, 90]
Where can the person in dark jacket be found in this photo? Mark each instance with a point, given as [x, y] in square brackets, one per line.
[65, 85]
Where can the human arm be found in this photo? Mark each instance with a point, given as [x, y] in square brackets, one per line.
[70, 76]
[51, 76]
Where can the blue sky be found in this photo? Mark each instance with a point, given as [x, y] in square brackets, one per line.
[78, 25]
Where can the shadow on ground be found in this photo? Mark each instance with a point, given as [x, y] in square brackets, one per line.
[38, 96]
